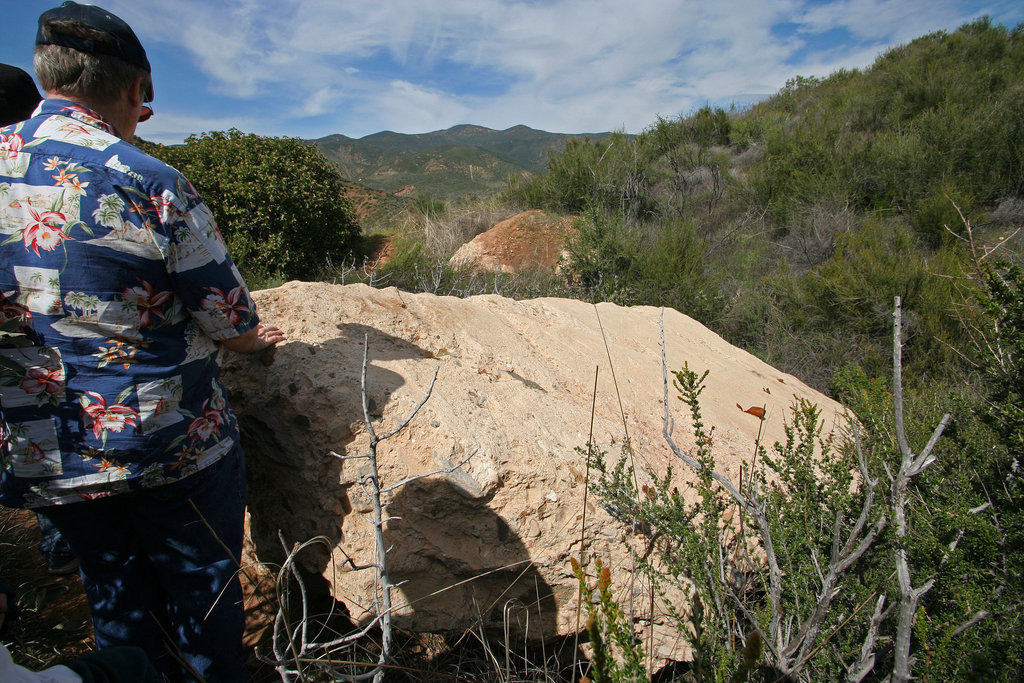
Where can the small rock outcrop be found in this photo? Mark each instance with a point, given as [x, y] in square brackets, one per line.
[529, 241]
[490, 543]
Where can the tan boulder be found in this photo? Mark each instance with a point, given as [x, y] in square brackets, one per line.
[514, 393]
[528, 241]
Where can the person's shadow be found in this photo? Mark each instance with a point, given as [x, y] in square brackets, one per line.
[458, 563]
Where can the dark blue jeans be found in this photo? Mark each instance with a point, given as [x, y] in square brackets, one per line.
[158, 578]
[51, 543]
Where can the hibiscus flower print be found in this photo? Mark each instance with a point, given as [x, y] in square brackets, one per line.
[10, 309]
[63, 177]
[11, 145]
[66, 177]
[201, 429]
[146, 302]
[111, 466]
[207, 426]
[186, 458]
[107, 419]
[42, 381]
[230, 305]
[44, 230]
[164, 208]
[74, 128]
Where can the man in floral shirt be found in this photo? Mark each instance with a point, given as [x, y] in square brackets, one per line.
[116, 294]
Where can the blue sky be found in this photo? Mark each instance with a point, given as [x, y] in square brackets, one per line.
[309, 68]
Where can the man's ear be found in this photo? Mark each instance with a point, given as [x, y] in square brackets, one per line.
[135, 93]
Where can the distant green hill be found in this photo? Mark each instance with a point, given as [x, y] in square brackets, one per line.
[461, 161]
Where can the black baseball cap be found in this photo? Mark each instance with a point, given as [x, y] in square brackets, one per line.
[18, 95]
[125, 45]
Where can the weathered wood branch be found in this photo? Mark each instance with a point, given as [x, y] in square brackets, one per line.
[911, 465]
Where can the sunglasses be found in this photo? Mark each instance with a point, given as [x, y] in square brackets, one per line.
[146, 113]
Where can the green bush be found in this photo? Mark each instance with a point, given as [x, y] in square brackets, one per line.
[939, 110]
[661, 265]
[279, 203]
[937, 216]
[607, 175]
[813, 611]
[803, 484]
[841, 309]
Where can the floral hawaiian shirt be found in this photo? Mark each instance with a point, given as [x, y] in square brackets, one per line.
[115, 284]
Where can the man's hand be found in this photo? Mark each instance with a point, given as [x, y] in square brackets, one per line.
[261, 338]
[267, 336]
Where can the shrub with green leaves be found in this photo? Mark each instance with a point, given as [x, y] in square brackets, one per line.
[805, 483]
[279, 203]
[941, 110]
[658, 265]
[808, 572]
[608, 175]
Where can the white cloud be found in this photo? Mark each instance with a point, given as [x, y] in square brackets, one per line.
[170, 129]
[568, 65]
[408, 108]
[885, 20]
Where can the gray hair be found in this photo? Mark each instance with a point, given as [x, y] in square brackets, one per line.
[66, 71]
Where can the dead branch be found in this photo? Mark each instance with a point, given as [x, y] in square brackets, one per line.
[911, 465]
[292, 645]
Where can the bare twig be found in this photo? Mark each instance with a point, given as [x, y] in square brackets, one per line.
[859, 670]
[300, 648]
[911, 465]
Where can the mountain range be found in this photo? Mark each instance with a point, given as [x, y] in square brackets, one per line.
[462, 161]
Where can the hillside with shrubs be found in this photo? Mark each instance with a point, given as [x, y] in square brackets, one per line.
[789, 228]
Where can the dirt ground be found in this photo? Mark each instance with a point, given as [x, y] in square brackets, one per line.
[54, 622]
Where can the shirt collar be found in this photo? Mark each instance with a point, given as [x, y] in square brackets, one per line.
[80, 113]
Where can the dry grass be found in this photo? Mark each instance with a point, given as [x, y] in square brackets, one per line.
[54, 621]
[442, 232]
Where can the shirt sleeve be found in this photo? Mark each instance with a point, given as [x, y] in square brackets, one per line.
[204, 277]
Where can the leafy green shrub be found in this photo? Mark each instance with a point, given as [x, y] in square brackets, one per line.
[618, 656]
[606, 174]
[840, 310]
[937, 215]
[430, 207]
[939, 110]
[968, 499]
[664, 265]
[279, 203]
[1003, 300]
[801, 486]
[808, 593]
